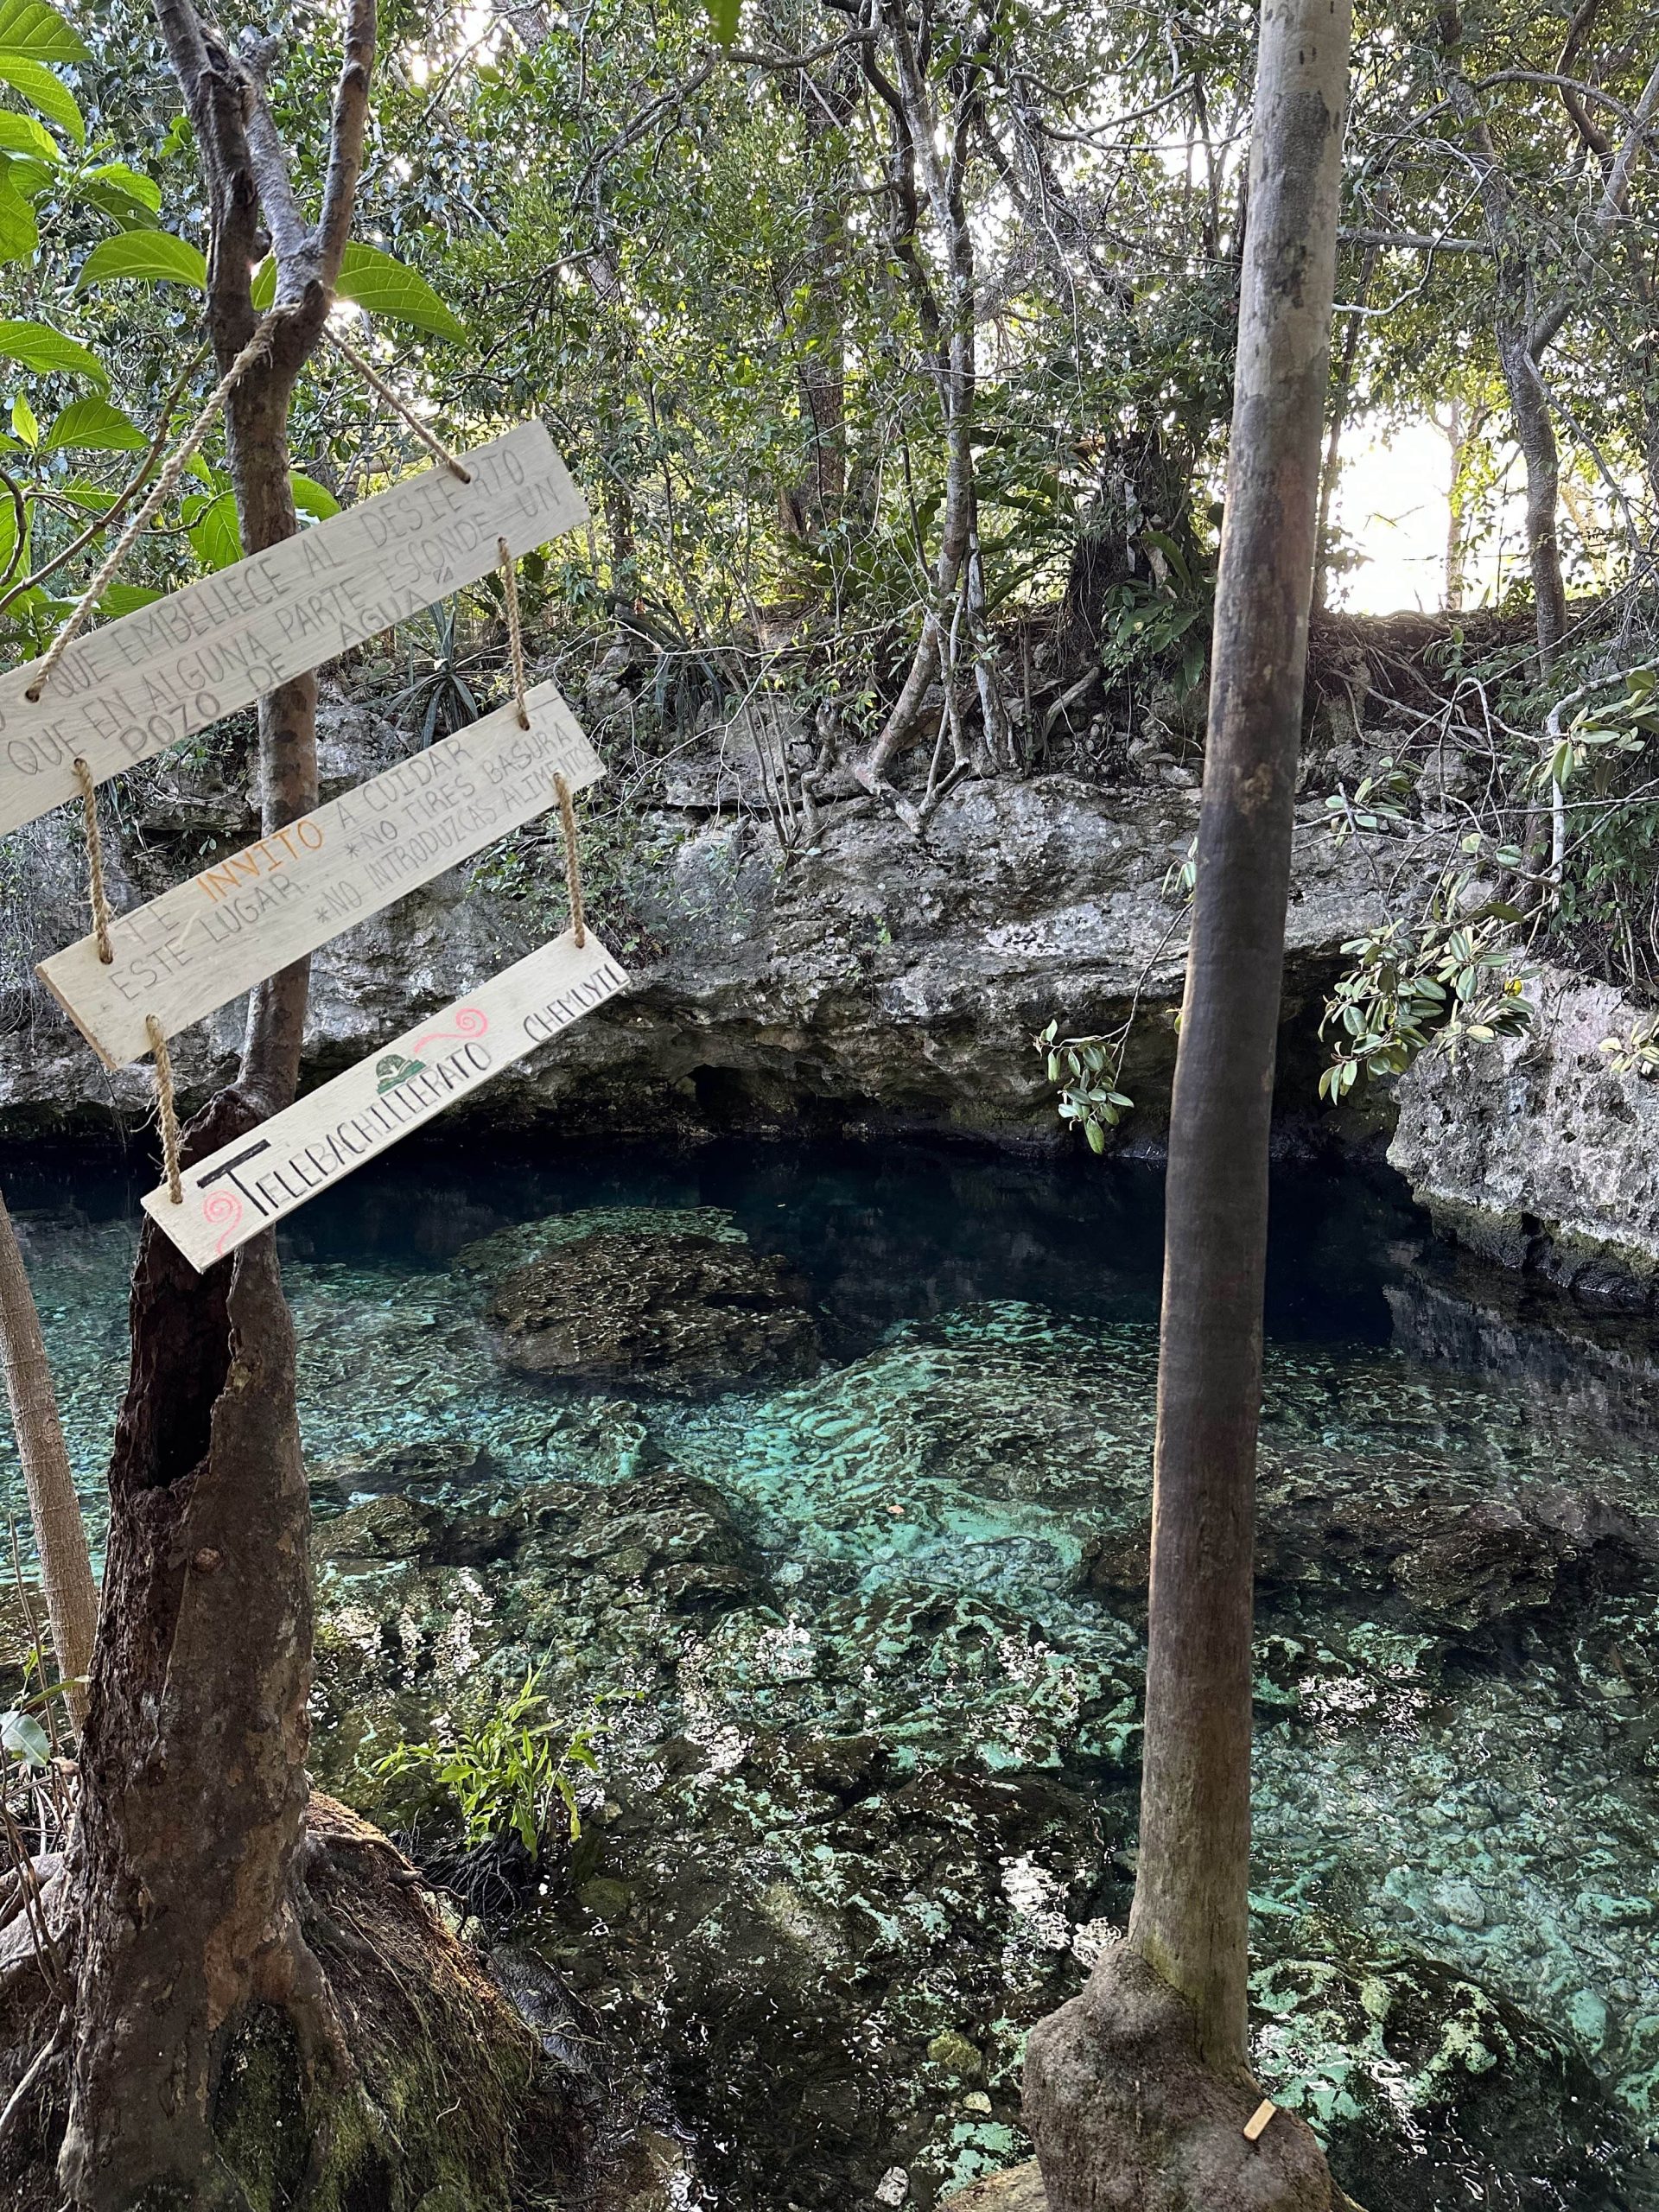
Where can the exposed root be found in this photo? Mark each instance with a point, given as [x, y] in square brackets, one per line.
[378, 2064]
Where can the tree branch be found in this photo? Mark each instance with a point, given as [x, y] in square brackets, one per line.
[349, 129]
[1614, 201]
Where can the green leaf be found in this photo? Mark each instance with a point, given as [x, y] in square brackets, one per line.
[383, 286]
[23, 422]
[311, 497]
[723, 14]
[21, 134]
[147, 257]
[25, 1739]
[263, 294]
[215, 537]
[127, 599]
[93, 426]
[125, 195]
[38, 347]
[20, 234]
[30, 26]
[46, 93]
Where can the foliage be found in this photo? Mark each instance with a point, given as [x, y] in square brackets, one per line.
[1431, 984]
[1379, 797]
[1087, 1070]
[506, 1774]
[1637, 1052]
[440, 698]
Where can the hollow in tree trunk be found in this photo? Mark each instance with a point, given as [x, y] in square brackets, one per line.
[1137, 2092]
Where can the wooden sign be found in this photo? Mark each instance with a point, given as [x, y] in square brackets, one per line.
[126, 691]
[211, 937]
[248, 1185]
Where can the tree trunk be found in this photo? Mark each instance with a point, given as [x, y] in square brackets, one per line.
[1341, 400]
[943, 182]
[193, 1780]
[1534, 433]
[1156, 2049]
[1191, 1915]
[54, 1508]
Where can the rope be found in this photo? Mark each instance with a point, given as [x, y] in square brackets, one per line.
[168, 1109]
[572, 859]
[515, 630]
[160, 492]
[95, 861]
[434, 445]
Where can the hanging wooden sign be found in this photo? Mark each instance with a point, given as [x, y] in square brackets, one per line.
[248, 1185]
[126, 691]
[210, 938]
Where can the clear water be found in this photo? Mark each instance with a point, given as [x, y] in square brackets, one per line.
[930, 1511]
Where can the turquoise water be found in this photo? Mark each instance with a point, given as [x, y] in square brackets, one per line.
[1458, 1783]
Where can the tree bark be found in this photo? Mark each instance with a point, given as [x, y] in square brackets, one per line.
[1136, 2092]
[1190, 1919]
[54, 1508]
[943, 187]
[193, 1780]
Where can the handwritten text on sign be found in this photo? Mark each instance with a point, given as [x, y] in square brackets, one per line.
[211, 937]
[126, 691]
[247, 1185]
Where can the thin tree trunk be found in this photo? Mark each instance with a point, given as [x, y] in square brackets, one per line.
[54, 1509]
[1191, 1915]
[942, 186]
[194, 1781]
[1341, 400]
[1137, 2093]
[1524, 334]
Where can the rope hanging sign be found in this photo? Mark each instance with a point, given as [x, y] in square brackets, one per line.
[86, 709]
[217, 933]
[253, 1183]
[129, 689]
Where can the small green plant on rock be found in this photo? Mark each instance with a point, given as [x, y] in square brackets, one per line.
[1637, 1052]
[506, 1774]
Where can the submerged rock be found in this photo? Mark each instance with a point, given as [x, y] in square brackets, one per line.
[680, 1314]
[1427, 2088]
[1458, 1566]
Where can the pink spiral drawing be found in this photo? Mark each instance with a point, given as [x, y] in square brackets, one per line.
[222, 1206]
[470, 1021]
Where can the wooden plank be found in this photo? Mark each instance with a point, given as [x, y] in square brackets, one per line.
[1255, 2126]
[210, 938]
[253, 1183]
[126, 691]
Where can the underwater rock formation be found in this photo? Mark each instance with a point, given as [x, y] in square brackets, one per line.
[680, 1314]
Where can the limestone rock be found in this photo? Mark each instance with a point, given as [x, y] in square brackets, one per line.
[1020, 2189]
[680, 1314]
[869, 979]
[1534, 1152]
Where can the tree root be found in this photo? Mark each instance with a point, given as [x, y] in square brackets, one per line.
[378, 2063]
[1123, 2112]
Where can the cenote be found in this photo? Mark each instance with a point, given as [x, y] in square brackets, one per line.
[861, 1647]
